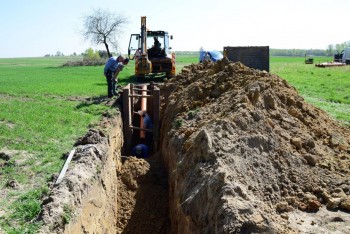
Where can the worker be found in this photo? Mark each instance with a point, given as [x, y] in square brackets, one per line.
[157, 47]
[157, 44]
[111, 71]
[140, 151]
[155, 50]
[206, 57]
[147, 124]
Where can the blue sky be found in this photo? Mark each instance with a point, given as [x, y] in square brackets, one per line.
[37, 27]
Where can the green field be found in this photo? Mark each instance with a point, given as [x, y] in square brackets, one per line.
[45, 107]
[326, 88]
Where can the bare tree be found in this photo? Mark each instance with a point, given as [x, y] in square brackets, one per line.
[103, 27]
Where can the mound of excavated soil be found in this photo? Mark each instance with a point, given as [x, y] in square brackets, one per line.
[246, 154]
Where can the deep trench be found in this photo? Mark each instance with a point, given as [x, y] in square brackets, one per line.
[150, 204]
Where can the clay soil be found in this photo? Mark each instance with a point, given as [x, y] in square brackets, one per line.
[246, 154]
[143, 197]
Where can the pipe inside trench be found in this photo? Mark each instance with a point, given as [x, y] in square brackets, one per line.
[142, 199]
[107, 191]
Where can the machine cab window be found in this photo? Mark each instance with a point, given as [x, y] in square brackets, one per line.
[155, 46]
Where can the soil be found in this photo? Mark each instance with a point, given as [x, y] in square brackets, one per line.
[246, 154]
[143, 197]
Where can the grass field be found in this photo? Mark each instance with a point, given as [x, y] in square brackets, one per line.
[45, 107]
[326, 88]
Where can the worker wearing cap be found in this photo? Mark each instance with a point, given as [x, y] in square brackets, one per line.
[111, 71]
[140, 151]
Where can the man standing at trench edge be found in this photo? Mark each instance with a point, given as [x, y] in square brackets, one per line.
[111, 72]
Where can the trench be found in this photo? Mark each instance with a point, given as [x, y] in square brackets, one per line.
[234, 165]
[105, 189]
[142, 188]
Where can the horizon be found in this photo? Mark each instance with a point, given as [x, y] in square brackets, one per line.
[179, 51]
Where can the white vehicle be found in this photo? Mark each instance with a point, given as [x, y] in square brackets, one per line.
[343, 57]
[346, 55]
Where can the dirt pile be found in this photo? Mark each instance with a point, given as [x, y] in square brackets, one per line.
[143, 197]
[246, 154]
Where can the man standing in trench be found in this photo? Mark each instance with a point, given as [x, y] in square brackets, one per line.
[111, 72]
[146, 124]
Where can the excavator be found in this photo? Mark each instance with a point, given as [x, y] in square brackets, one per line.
[154, 59]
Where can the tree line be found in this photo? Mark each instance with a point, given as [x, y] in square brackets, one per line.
[297, 52]
[330, 51]
[337, 48]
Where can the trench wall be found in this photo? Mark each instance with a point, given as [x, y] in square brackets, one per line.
[86, 200]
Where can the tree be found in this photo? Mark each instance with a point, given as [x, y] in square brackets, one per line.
[330, 50]
[103, 27]
[59, 53]
[90, 54]
[103, 53]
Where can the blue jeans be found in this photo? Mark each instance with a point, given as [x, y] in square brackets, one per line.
[110, 84]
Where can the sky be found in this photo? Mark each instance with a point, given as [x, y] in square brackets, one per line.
[34, 28]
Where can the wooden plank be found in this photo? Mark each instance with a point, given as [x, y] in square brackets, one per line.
[156, 116]
[138, 89]
[139, 95]
[330, 64]
[127, 119]
[141, 129]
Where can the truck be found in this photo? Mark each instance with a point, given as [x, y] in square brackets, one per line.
[343, 57]
[151, 52]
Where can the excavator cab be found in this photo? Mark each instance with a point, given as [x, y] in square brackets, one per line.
[157, 49]
[151, 52]
[158, 45]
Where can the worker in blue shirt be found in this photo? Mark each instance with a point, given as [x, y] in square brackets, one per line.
[147, 124]
[111, 71]
[140, 151]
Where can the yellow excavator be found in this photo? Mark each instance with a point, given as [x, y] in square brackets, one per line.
[154, 59]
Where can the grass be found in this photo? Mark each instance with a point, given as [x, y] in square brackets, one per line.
[326, 88]
[45, 107]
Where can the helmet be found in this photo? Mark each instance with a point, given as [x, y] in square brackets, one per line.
[138, 149]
